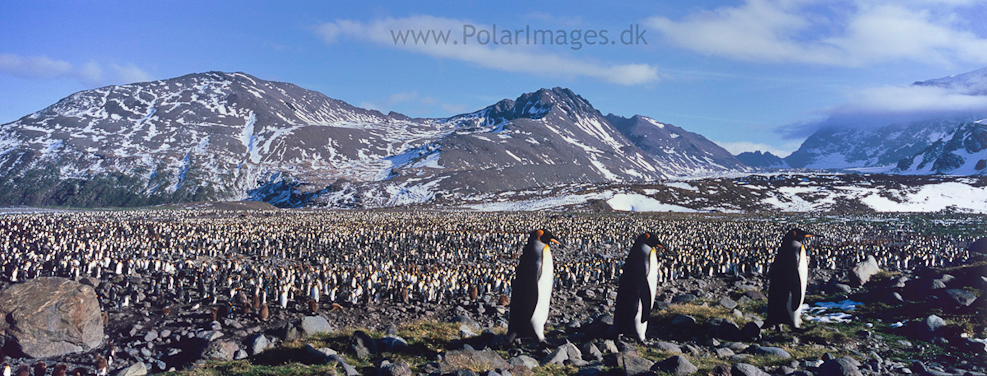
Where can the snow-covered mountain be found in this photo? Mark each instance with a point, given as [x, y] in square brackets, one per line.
[881, 147]
[675, 147]
[962, 153]
[232, 136]
[758, 160]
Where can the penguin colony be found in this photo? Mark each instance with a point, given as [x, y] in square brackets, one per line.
[258, 264]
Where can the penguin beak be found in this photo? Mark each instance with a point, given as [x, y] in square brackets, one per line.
[561, 246]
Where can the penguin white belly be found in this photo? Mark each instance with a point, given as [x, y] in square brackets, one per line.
[540, 316]
[803, 284]
[640, 328]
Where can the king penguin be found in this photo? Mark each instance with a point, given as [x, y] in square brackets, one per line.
[788, 279]
[531, 288]
[636, 287]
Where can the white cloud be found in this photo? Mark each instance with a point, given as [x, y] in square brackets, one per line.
[509, 58]
[911, 99]
[423, 105]
[847, 33]
[89, 74]
[34, 66]
[741, 146]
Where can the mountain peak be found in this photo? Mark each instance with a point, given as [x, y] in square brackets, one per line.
[969, 83]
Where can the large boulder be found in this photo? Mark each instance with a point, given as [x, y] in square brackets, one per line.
[51, 316]
[863, 271]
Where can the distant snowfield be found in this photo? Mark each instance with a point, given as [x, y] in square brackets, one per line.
[640, 203]
[805, 195]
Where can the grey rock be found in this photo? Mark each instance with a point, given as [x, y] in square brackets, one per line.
[723, 352]
[863, 271]
[258, 343]
[318, 355]
[465, 320]
[401, 368]
[557, 356]
[240, 354]
[772, 351]
[393, 343]
[609, 347]
[684, 298]
[165, 333]
[483, 360]
[136, 369]
[465, 331]
[347, 369]
[842, 288]
[751, 331]
[838, 367]
[668, 347]
[930, 327]
[744, 369]
[312, 325]
[523, 361]
[591, 352]
[677, 365]
[209, 335]
[363, 344]
[960, 297]
[720, 370]
[220, 350]
[151, 336]
[51, 316]
[633, 364]
[683, 321]
[727, 303]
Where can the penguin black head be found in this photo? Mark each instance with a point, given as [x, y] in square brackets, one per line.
[798, 234]
[546, 237]
[651, 240]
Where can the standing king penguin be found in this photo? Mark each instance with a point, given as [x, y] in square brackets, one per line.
[636, 288]
[788, 279]
[531, 288]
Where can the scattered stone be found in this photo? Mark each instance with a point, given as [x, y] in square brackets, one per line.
[609, 347]
[558, 356]
[633, 364]
[151, 336]
[838, 367]
[863, 271]
[240, 354]
[401, 368]
[683, 321]
[728, 303]
[137, 369]
[842, 288]
[929, 328]
[220, 350]
[773, 351]
[960, 297]
[677, 365]
[465, 331]
[668, 347]
[312, 325]
[258, 344]
[465, 320]
[754, 295]
[591, 352]
[751, 331]
[318, 355]
[393, 343]
[744, 369]
[721, 370]
[723, 352]
[523, 361]
[51, 316]
[684, 299]
[363, 344]
[483, 360]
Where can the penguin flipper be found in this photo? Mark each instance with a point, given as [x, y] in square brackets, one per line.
[644, 292]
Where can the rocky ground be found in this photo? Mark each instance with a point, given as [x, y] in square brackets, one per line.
[926, 321]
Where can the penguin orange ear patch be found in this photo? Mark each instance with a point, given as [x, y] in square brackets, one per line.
[540, 233]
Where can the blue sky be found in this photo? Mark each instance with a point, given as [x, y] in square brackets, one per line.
[749, 74]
